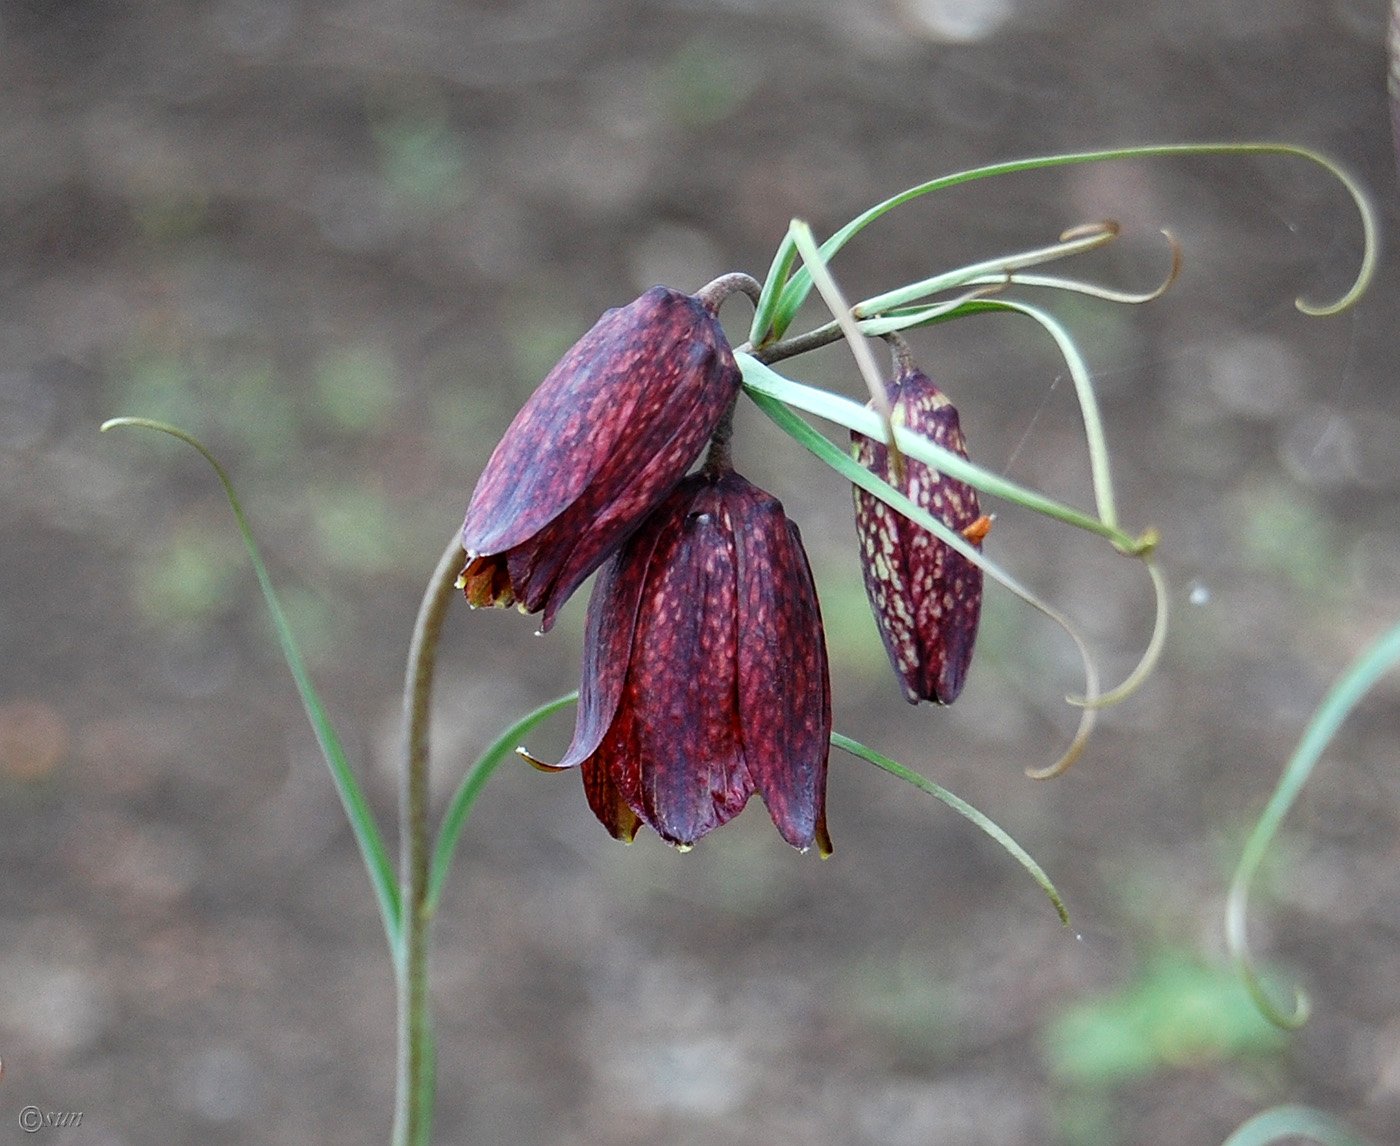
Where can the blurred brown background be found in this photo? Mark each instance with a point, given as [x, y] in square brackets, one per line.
[342, 242]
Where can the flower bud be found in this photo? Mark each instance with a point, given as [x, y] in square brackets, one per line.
[927, 597]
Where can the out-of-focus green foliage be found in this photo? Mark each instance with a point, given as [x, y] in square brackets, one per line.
[1178, 1013]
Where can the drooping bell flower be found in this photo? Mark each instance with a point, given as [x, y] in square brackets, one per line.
[705, 673]
[926, 596]
[600, 443]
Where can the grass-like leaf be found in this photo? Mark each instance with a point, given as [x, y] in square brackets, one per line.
[963, 808]
[999, 270]
[1290, 1122]
[1084, 392]
[860, 349]
[796, 290]
[762, 330]
[1083, 388]
[357, 810]
[1344, 695]
[464, 799]
[762, 380]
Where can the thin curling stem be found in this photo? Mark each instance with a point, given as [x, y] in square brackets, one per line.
[413, 1114]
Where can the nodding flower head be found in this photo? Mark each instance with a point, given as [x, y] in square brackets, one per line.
[705, 672]
[926, 596]
[601, 442]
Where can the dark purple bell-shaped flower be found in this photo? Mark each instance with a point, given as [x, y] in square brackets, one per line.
[705, 673]
[926, 596]
[601, 442]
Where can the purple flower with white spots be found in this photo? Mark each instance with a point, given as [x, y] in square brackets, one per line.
[926, 596]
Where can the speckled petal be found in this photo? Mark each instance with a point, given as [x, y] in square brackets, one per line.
[681, 682]
[600, 443]
[582, 539]
[784, 688]
[615, 759]
[705, 672]
[607, 641]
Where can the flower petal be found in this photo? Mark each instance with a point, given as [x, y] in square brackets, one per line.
[607, 641]
[616, 757]
[595, 525]
[681, 683]
[784, 687]
[886, 580]
[621, 389]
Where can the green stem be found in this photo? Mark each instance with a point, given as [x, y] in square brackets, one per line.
[413, 1114]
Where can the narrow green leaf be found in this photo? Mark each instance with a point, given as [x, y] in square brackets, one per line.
[1336, 706]
[860, 349]
[800, 285]
[903, 308]
[1000, 270]
[1094, 437]
[1293, 1122]
[763, 380]
[1151, 654]
[1071, 286]
[857, 474]
[357, 810]
[1141, 547]
[908, 317]
[1084, 390]
[963, 808]
[464, 799]
[762, 331]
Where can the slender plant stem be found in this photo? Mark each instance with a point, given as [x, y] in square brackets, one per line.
[799, 344]
[413, 1112]
[719, 459]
